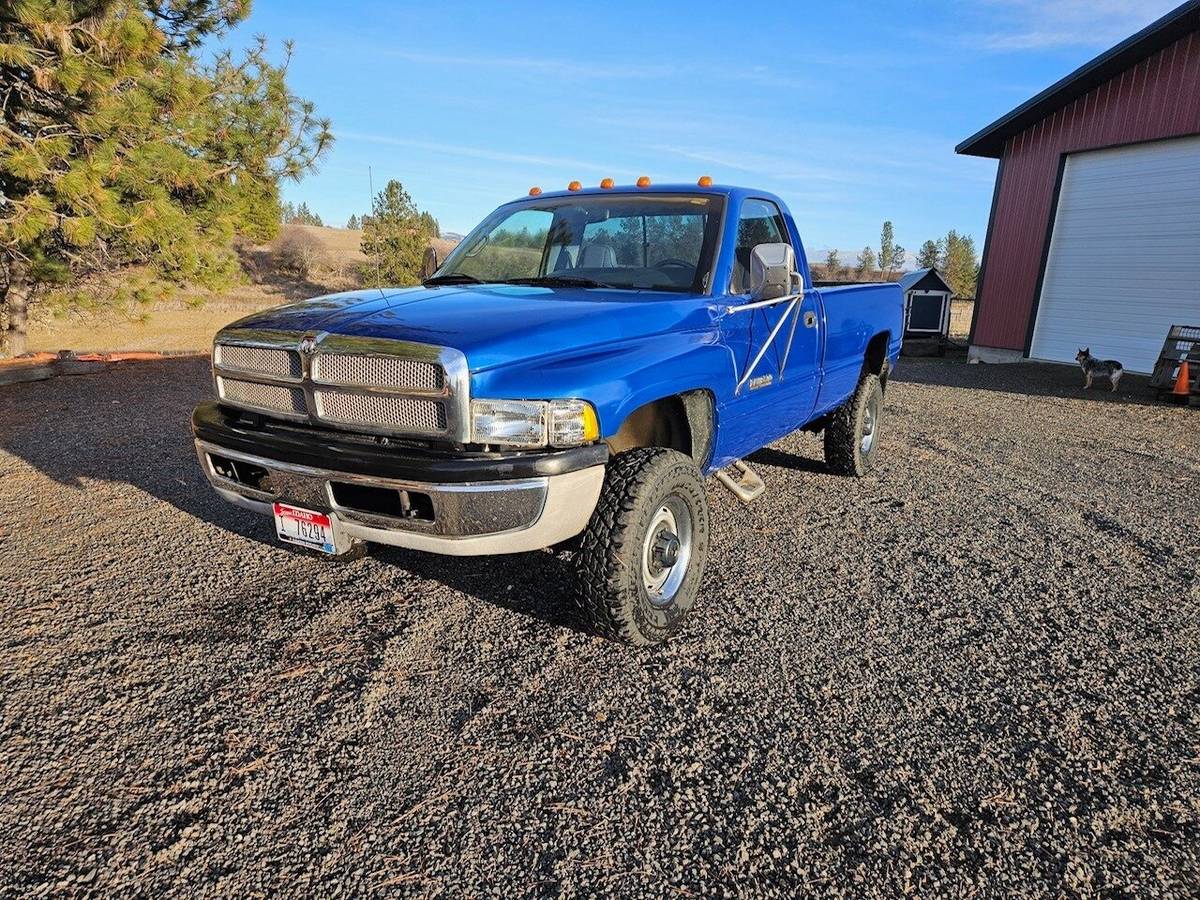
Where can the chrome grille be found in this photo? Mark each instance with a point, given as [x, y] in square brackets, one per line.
[377, 371]
[273, 397]
[368, 385]
[265, 360]
[391, 412]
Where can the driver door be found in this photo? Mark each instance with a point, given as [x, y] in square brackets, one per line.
[778, 395]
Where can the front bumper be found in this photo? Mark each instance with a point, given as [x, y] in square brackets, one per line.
[492, 514]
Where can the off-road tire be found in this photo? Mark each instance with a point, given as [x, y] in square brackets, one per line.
[612, 593]
[844, 431]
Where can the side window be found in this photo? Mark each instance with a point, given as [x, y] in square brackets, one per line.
[760, 222]
[513, 249]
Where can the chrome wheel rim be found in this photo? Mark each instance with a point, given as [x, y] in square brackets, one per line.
[870, 423]
[667, 551]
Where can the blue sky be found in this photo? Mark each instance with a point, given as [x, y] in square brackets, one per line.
[850, 112]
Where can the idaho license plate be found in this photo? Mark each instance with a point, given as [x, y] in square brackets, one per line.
[304, 527]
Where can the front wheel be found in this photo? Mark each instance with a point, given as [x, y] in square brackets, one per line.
[643, 552]
[852, 435]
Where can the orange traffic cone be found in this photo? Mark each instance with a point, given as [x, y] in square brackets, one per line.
[1183, 381]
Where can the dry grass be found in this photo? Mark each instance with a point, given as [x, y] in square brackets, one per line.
[304, 261]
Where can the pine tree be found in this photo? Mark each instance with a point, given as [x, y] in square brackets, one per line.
[929, 256]
[394, 238]
[352, 223]
[303, 215]
[960, 263]
[833, 266]
[891, 254]
[121, 145]
[430, 224]
[865, 263]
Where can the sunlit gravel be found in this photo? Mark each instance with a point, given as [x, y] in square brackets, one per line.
[976, 671]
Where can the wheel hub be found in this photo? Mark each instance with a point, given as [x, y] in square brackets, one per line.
[667, 550]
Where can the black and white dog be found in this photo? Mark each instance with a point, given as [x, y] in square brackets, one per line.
[1105, 368]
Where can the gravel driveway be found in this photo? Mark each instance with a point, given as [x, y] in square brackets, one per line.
[976, 671]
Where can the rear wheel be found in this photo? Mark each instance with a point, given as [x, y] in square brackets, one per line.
[643, 553]
[852, 434]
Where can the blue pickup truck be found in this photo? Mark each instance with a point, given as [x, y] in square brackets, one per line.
[568, 376]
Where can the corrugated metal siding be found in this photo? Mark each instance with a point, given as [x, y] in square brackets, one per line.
[1157, 98]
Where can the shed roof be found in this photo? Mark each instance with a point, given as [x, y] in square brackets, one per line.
[912, 279]
[1154, 37]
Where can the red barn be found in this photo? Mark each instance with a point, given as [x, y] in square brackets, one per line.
[1094, 234]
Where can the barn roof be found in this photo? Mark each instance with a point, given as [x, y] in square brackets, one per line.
[1154, 37]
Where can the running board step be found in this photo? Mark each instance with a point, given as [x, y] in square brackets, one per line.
[748, 488]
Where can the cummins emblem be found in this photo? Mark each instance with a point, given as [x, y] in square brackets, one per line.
[761, 381]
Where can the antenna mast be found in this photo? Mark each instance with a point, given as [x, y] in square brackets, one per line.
[374, 245]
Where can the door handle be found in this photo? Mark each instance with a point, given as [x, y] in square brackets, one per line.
[810, 319]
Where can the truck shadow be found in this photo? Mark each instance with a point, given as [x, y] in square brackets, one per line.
[539, 585]
[130, 424]
[771, 456]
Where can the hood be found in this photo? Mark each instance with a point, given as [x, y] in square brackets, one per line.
[493, 324]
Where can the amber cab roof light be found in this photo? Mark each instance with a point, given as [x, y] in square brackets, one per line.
[644, 181]
[607, 184]
[574, 186]
[534, 191]
[705, 181]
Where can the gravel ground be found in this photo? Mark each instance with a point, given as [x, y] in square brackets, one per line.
[976, 671]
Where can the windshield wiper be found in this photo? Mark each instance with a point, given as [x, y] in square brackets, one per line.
[560, 281]
[452, 278]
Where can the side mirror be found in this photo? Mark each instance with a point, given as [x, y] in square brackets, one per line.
[773, 272]
[429, 263]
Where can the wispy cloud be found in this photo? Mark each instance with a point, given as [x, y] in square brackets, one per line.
[596, 72]
[549, 66]
[1047, 24]
[498, 156]
[782, 167]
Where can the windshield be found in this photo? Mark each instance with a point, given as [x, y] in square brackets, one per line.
[653, 242]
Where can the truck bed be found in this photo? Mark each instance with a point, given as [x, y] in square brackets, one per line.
[853, 314]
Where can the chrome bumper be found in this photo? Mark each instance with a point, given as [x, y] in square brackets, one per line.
[474, 519]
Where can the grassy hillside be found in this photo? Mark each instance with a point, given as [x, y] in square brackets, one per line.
[304, 261]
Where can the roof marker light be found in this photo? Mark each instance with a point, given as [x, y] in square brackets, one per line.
[644, 181]
[574, 186]
[534, 191]
[705, 181]
[607, 184]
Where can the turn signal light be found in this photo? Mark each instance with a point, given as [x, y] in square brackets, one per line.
[574, 186]
[607, 183]
[705, 181]
[644, 181]
[534, 191]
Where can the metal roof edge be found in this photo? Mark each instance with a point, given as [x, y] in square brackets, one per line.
[989, 141]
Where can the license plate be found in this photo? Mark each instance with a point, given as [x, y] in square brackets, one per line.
[306, 528]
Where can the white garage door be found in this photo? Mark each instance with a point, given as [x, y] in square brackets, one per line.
[1124, 261]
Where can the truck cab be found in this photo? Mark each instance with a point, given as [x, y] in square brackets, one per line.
[572, 372]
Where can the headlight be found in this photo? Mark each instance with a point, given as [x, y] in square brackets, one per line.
[533, 423]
